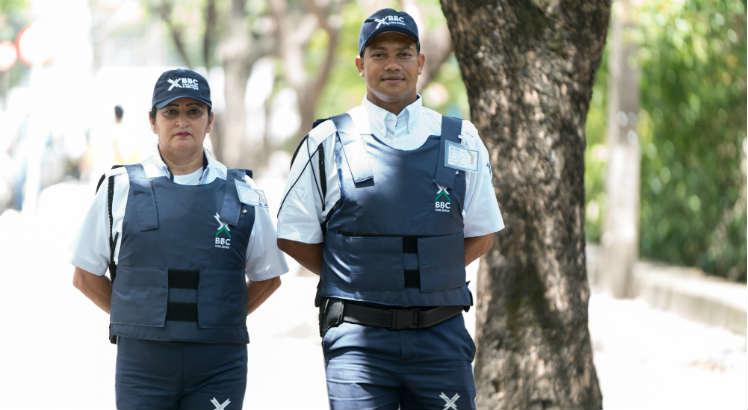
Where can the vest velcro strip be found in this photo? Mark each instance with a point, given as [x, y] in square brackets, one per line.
[181, 312]
[412, 276]
[183, 279]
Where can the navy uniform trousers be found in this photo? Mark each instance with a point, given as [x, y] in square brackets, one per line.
[371, 368]
[180, 376]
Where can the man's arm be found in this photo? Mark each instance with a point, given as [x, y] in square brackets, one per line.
[95, 287]
[477, 246]
[309, 255]
[258, 292]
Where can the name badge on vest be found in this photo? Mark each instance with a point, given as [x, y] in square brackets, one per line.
[459, 157]
[249, 195]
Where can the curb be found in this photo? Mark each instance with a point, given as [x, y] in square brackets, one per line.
[687, 292]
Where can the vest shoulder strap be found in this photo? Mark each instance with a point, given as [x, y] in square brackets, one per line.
[451, 129]
[231, 206]
[354, 150]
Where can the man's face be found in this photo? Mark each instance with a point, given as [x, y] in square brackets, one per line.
[181, 126]
[390, 66]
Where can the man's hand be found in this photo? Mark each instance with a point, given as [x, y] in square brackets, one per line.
[95, 287]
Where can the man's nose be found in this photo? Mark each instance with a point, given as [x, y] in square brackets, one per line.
[391, 64]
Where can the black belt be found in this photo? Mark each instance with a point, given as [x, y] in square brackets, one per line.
[335, 311]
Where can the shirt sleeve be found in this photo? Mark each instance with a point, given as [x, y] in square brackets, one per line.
[482, 215]
[264, 259]
[300, 213]
[91, 249]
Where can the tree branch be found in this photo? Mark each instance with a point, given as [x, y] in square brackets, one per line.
[437, 46]
[164, 10]
[209, 37]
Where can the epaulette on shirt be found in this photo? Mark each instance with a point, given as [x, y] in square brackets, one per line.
[321, 132]
[114, 171]
[250, 195]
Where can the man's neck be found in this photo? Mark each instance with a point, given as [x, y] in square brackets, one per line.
[183, 165]
[394, 107]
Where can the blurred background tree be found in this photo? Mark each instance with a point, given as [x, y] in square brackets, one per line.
[692, 130]
[12, 19]
[692, 92]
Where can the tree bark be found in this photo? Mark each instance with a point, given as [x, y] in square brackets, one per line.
[239, 52]
[529, 68]
[620, 237]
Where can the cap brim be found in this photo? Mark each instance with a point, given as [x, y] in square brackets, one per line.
[395, 29]
[164, 103]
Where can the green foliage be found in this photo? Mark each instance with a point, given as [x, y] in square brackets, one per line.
[594, 155]
[9, 6]
[692, 134]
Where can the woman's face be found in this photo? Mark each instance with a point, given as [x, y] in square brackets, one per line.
[181, 126]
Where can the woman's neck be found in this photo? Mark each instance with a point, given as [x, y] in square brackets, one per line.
[183, 165]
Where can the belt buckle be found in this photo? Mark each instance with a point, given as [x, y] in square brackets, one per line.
[405, 319]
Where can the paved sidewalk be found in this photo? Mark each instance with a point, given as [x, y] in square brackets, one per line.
[55, 354]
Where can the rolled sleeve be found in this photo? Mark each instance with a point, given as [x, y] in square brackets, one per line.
[91, 249]
[301, 209]
[482, 214]
[264, 259]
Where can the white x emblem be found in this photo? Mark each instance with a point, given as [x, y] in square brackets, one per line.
[449, 403]
[380, 22]
[174, 83]
[441, 189]
[219, 406]
[221, 225]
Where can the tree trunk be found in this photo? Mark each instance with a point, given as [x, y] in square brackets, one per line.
[620, 238]
[236, 69]
[529, 68]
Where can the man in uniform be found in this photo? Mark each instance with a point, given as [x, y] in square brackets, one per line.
[181, 235]
[388, 203]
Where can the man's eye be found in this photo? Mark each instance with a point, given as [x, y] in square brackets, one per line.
[194, 112]
[171, 113]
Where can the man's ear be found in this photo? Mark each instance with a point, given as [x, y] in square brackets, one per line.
[421, 62]
[360, 65]
[152, 120]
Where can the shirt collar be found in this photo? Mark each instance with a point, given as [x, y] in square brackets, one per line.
[379, 117]
[157, 167]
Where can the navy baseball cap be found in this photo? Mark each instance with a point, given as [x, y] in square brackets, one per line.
[180, 83]
[386, 20]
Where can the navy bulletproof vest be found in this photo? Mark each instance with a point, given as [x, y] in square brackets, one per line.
[180, 272]
[395, 237]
